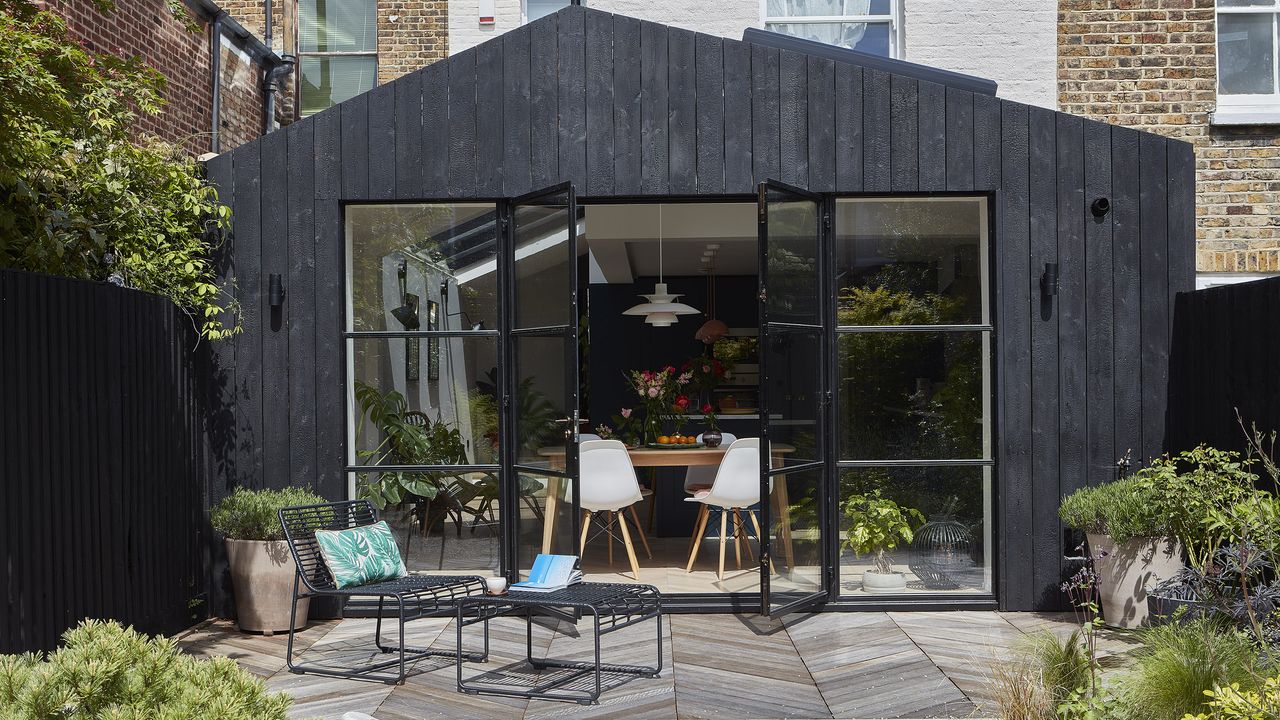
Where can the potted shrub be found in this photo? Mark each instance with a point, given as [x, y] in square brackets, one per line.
[262, 567]
[877, 524]
[1130, 541]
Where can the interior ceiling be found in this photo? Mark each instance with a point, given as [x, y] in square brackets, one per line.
[623, 239]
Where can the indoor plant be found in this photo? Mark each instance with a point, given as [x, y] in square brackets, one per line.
[876, 524]
[262, 568]
[1130, 539]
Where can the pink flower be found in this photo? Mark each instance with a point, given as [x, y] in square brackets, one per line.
[682, 402]
[706, 368]
[706, 408]
[653, 392]
[626, 412]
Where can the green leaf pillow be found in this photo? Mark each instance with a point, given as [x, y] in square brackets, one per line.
[361, 555]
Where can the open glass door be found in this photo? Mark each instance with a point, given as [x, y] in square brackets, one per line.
[794, 400]
[540, 406]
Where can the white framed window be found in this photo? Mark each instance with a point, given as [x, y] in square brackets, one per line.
[870, 26]
[534, 9]
[337, 51]
[1248, 76]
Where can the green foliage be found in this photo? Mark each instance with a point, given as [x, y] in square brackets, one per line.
[80, 195]
[1196, 490]
[1124, 509]
[405, 441]
[251, 514]
[104, 671]
[1180, 662]
[1046, 673]
[1233, 702]
[877, 524]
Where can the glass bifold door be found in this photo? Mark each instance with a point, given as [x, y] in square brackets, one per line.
[462, 355]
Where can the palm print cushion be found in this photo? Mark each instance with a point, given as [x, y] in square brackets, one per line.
[361, 555]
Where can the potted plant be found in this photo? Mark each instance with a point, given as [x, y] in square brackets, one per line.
[262, 567]
[877, 524]
[711, 437]
[1130, 540]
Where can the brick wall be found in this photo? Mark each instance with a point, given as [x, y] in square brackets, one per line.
[1151, 65]
[147, 29]
[411, 35]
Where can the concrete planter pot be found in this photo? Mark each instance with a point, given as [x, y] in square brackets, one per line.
[1125, 572]
[262, 577]
[878, 582]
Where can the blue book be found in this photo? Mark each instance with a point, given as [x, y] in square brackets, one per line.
[551, 572]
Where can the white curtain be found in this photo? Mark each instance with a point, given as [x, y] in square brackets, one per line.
[842, 34]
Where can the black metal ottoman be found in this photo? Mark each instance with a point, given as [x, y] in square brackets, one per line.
[612, 607]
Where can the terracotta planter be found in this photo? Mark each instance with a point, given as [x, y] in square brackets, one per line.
[1126, 570]
[262, 578]
[878, 582]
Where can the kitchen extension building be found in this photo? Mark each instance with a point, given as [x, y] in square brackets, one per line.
[924, 293]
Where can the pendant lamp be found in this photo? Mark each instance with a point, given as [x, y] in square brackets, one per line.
[661, 310]
[713, 329]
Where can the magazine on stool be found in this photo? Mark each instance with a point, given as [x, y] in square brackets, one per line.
[551, 572]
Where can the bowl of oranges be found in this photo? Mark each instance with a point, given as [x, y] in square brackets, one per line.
[676, 442]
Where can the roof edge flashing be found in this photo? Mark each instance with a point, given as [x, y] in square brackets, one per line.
[905, 68]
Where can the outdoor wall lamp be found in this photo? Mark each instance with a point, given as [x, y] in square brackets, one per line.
[1049, 280]
[1100, 207]
[275, 291]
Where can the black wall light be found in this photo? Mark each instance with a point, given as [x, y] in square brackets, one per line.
[1049, 280]
[1100, 207]
[275, 290]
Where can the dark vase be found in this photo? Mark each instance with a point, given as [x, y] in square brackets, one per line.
[712, 438]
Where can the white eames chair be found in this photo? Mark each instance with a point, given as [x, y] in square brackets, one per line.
[736, 489]
[608, 488]
[700, 477]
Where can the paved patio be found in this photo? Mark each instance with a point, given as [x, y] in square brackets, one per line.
[831, 665]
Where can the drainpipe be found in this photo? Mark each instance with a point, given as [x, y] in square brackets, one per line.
[215, 66]
[270, 84]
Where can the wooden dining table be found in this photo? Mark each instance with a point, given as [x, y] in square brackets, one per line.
[670, 457]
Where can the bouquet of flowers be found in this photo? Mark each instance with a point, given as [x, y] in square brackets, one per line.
[662, 394]
[705, 373]
[709, 415]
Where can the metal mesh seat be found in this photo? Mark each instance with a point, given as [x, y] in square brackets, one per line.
[415, 596]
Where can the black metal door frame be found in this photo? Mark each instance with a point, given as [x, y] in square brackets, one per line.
[509, 382]
[825, 435]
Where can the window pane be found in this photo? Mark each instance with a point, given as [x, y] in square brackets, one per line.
[405, 257]
[424, 401]
[427, 532]
[913, 395]
[535, 9]
[1246, 3]
[327, 81]
[337, 26]
[910, 262]
[544, 262]
[872, 38]
[1246, 55]
[793, 381]
[950, 550]
[820, 8]
[792, 259]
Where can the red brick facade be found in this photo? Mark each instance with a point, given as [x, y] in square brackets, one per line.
[147, 29]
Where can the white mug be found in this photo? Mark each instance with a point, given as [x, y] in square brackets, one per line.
[496, 584]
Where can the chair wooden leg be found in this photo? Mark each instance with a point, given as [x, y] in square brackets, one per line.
[724, 517]
[626, 542]
[586, 527]
[737, 538]
[653, 496]
[701, 518]
[744, 536]
[699, 529]
[640, 531]
[610, 537]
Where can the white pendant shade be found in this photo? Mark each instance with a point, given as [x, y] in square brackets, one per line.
[660, 302]
[662, 308]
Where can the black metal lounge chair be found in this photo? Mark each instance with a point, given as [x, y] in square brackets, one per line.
[415, 596]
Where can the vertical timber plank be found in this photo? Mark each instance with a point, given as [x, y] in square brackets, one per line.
[382, 142]
[600, 102]
[300, 292]
[627, 120]
[765, 137]
[1099, 263]
[248, 406]
[1120, 229]
[793, 117]
[572, 99]
[875, 131]
[329, 175]
[904, 137]
[737, 118]
[653, 109]
[489, 120]
[275, 321]
[710, 78]
[543, 113]
[932, 144]
[408, 160]
[462, 124]
[822, 129]
[435, 131]
[848, 123]
[1153, 201]
[516, 142]
[682, 112]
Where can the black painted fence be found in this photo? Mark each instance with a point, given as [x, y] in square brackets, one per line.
[102, 512]
[1225, 356]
